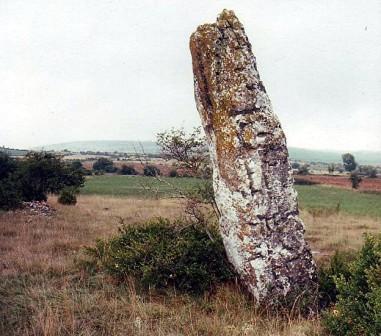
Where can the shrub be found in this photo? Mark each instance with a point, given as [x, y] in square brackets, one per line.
[303, 170]
[127, 170]
[164, 254]
[151, 171]
[10, 195]
[304, 181]
[358, 307]
[42, 173]
[331, 168]
[32, 178]
[105, 165]
[338, 266]
[173, 173]
[68, 196]
[76, 165]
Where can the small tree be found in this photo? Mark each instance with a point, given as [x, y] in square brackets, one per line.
[355, 179]
[349, 162]
[188, 150]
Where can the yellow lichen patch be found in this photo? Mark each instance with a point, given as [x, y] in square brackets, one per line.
[248, 135]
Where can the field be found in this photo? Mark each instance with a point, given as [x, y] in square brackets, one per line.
[311, 198]
[43, 291]
[367, 184]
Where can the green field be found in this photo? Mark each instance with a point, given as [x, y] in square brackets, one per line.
[310, 197]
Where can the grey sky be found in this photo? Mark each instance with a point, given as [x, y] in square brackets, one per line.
[121, 70]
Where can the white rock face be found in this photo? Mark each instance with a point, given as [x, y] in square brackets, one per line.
[252, 177]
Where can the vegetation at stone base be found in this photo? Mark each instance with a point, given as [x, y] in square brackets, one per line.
[162, 254]
[349, 162]
[355, 179]
[68, 196]
[150, 170]
[357, 310]
[34, 177]
[104, 165]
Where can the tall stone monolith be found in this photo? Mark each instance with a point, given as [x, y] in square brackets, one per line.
[253, 184]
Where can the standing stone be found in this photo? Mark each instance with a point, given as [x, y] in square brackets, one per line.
[252, 178]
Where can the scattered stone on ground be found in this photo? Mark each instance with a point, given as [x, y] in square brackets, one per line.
[40, 208]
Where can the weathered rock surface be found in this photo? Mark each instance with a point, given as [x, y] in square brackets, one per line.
[253, 184]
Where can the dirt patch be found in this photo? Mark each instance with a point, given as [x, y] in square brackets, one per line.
[367, 184]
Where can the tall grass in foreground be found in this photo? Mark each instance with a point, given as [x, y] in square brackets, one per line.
[42, 291]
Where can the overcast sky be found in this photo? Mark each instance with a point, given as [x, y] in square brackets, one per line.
[121, 70]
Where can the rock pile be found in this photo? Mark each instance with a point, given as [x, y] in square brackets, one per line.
[41, 208]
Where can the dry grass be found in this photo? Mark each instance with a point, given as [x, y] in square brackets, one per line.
[42, 291]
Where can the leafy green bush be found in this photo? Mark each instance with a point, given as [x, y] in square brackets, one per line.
[68, 196]
[164, 254]
[42, 173]
[358, 290]
[10, 195]
[33, 177]
[338, 266]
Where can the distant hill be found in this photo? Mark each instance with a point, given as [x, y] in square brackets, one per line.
[327, 156]
[150, 147]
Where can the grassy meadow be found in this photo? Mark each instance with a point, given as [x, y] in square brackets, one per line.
[315, 198]
[43, 291]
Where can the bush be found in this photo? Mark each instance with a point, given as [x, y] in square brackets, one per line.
[303, 170]
[32, 178]
[105, 165]
[358, 307]
[173, 173]
[304, 181]
[42, 173]
[68, 196]
[127, 170]
[151, 171]
[10, 195]
[338, 266]
[162, 254]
